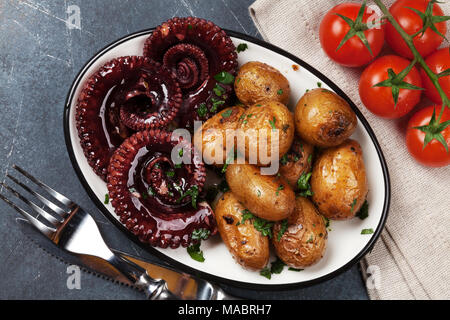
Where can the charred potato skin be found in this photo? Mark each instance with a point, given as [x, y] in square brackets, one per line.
[339, 181]
[268, 116]
[257, 81]
[212, 134]
[247, 246]
[268, 197]
[291, 169]
[305, 240]
[323, 118]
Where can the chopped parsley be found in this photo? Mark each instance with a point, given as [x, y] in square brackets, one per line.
[319, 84]
[218, 90]
[227, 113]
[283, 228]
[284, 159]
[170, 174]
[276, 267]
[272, 123]
[309, 159]
[280, 92]
[296, 270]
[353, 205]
[327, 221]
[106, 199]
[310, 240]
[262, 225]
[193, 192]
[303, 182]
[241, 47]
[195, 252]
[280, 187]
[200, 234]
[190, 27]
[364, 211]
[224, 77]
[216, 104]
[202, 110]
[367, 231]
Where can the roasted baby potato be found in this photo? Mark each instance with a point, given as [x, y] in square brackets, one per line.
[247, 245]
[323, 118]
[261, 125]
[212, 139]
[257, 81]
[297, 161]
[268, 197]
[304, 241]
[338, 181]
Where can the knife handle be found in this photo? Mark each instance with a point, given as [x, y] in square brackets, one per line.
[154, 289]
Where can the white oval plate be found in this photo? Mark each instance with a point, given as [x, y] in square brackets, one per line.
[346, 244]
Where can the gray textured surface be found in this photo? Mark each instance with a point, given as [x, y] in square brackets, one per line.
[39, 58]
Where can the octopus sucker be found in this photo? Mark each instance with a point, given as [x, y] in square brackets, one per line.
[155, 194]
[125, 95]
[195, 50]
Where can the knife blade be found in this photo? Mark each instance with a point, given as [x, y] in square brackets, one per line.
[183, 285]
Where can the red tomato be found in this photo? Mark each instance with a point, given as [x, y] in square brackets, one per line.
[411, 22]
[438, 62]
[434, 154]
[379, 100]
[334, 28]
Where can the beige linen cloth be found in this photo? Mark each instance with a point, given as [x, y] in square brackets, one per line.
[413, 254]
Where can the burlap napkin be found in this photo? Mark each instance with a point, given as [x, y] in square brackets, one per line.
[411, 260]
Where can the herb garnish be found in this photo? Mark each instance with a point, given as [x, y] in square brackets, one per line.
[224, 77]
[218, 90]
[280, 92]
[364, 211]
[353, 205]
[170, 174]
[304, 186]
[193, 192]
[216, 104]
[106, 199]
[272, 123]
[195, 252]
[280, 187]
[241, 47]
[275, 268]
[202, 110]
[367, 231]
[262, 225]
[283, 228]
[200, 234]
[227, 113]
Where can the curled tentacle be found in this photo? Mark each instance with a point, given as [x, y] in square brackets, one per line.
[195, 50]
[125, 95]
[154, 194]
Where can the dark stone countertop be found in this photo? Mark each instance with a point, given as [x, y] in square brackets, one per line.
[39, 58]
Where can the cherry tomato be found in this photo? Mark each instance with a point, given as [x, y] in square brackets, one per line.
[353, 53]
[438, 62]
[412, 23]
[434, 154]
[379, 99]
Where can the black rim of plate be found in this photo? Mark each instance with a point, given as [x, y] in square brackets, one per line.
[193, 271]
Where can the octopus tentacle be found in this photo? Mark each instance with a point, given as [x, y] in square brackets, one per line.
[195, 50]
[125, 95]
[154, 195]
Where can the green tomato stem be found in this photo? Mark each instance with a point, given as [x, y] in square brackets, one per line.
[409, 41]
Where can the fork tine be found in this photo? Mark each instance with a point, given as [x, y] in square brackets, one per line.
[54, 221]
[47, 231]
[54, 193]
[48, 203]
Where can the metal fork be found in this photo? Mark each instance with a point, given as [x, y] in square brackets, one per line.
[74, 230]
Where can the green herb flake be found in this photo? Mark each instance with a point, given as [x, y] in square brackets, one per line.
[294, 269]
[319, 84]
[367, 231]
[284, 159]
[280, 92]
[150, 191]
[227, 113]
[303, 181]
[170, 174]
[216, 104]
[310, 240]
[272, 123]
[266, 273]
[193, 192]
[106, 199]
[327, 221]
[283, 228]
[178, 166]
[195, 252]
[200, 234]
[277, 266]
[353, 205]
[364, 211]
[202, 110]
[280, 187]
[310, 158]
[218, 90]
[241, 47]
[190, 27]
[224, 77]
